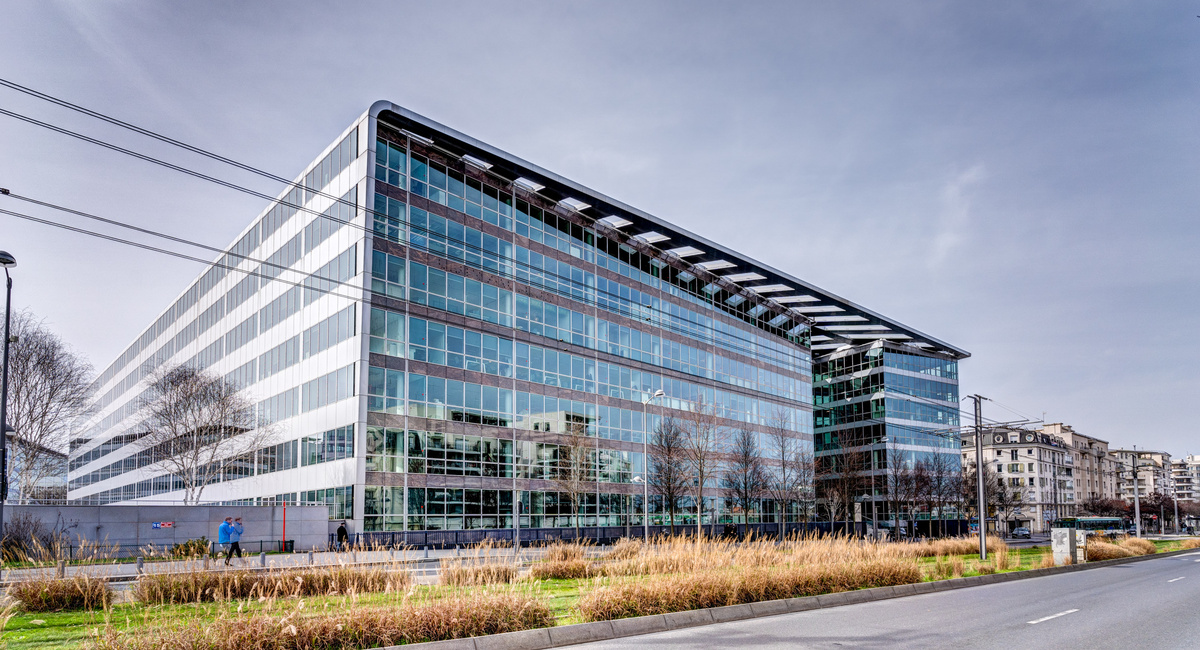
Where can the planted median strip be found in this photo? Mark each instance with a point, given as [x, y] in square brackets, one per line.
[488, 592]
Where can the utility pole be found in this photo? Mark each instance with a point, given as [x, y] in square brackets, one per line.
[1137, 506]
[982, 501]
[1175, 500]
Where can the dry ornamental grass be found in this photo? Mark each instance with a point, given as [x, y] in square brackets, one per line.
[1191, 543]
[487, 564]
[48, 594]
[351, 628]
[563, 552]
[197, 585]
[952, 546]
[562, 570]
[737, 586]
[1137, 545]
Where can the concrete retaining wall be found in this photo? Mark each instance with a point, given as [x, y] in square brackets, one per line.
[133, 526]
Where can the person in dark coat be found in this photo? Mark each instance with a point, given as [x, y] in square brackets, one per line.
[343, 537]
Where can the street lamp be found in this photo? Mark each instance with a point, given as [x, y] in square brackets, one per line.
[646, 463]
[8, 262]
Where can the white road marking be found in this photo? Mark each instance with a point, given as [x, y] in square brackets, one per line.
[1043, 620]
[1175, 580]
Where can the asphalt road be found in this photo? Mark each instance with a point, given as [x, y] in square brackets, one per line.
[1140, 606]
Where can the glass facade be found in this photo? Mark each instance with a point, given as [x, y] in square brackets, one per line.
[878, 404]
[440, 328]
[497, 324]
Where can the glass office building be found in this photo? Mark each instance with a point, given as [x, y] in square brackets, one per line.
[424, 318]
[879, 406]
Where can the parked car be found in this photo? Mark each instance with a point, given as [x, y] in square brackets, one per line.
[1022, 533]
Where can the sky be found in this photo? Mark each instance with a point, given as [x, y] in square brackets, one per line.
[1018, 179]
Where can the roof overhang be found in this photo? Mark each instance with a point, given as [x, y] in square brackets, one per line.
[706, 258]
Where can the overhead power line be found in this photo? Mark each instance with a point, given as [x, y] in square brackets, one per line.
[188, 147]
[164, 251]
[225, 160]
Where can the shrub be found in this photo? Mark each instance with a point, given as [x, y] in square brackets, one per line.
[468, 573]
[46, 594]
[197, 585]
[562, 552]
[986, 568]
[677, 593]
[624, 549]
[191, 548]
[951, 546]
[349, 629]
[1138, 545]
[1098, 551]
[569, 570]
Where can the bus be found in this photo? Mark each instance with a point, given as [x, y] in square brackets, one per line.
[1110, 525]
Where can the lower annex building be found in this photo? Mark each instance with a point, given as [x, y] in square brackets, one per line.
[423, 316]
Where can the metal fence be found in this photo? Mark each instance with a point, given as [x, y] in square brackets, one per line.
[604, 535]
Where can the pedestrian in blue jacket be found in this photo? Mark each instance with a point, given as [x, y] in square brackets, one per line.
[229, 534]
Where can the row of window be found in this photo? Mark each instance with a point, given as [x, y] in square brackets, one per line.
[425, 452]
[859, 385]
[318, 230]
[447, 345]
[330, 445]
[435, 182]
[469, 297]
[389, 391]
[450, 239]
[327, 278]
[280, 214]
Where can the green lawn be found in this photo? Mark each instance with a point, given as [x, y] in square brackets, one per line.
[69, 629]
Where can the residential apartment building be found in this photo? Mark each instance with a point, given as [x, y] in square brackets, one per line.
[1185, 474]
[1153, 472]
[427, 320]
[1092, 469]
[1037, 469]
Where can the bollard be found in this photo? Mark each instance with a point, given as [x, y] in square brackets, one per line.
[310, 558]
[139, 565]
[262, 559]
[456, 553]
[426, 551]
[62, 568]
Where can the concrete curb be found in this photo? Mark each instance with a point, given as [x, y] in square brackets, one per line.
[556, 637]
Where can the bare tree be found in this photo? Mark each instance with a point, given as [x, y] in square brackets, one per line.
[575, 472]
[49, 391]
[744, 475]
[942, 469]
[897, 485]
[969, 492]
[920, 494]
[804, 489]
[196, 423]
[842, 475]
[703, 436]
[782, 481]
[667, 469]
[1006, 501]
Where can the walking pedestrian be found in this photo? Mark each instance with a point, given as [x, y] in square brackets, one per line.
[343, 537]
[223, 532]
[235, 539]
